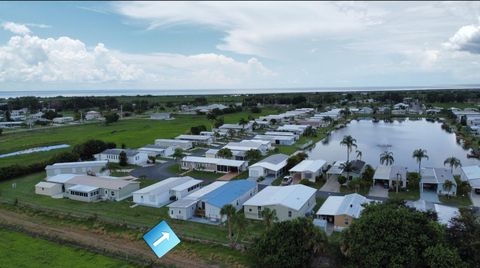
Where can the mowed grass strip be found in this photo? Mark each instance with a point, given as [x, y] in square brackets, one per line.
[20, 250]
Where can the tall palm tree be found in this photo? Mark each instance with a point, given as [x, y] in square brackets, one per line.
[350, 143]
[359, 154]
[229, 211]
[386, 158]
[242, 122]
[453, 162]
[419, 154]
[447, 186]
[269, 216]
[328, 119]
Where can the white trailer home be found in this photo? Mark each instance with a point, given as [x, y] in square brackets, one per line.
[94, 168]
[185, 145]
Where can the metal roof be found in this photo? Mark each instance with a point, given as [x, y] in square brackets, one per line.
[163, 186]
[61, 178]
[129, 152]
[351, 204]
[309, 165]
[100, 182]
[83, 188]
[436, 175]
[292, 196]
[77, 164]
[274, 162]
[186, 185]
[215, 161]
[228, 192]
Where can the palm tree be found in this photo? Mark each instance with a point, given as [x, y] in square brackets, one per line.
[178, 154]
[447, 186]
[269, 216]
[359, 154]
[387, 158]
[453, 162]
[242, 122]
[328, 119]
[347, 167]
[225, 153]
[420, 154]
[345, 112]
[229, 211]
[231, 133]
[349, 142]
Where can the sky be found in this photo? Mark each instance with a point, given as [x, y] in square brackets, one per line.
[226, 45]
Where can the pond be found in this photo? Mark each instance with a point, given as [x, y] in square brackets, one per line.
[400, 137]
[36, 149]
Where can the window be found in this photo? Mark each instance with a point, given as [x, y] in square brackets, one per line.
[171, 212]
[113, 193]
[179, 212]
[250, 209]
[346, 221]
[289, 214]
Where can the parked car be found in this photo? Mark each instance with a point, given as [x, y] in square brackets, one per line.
[287, 180]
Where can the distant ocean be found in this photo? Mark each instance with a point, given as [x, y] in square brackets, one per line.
[231, 91]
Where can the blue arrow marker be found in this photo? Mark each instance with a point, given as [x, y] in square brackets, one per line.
[161, 239]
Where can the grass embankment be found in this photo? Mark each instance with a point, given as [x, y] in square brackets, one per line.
[133, 133]
[20, 250]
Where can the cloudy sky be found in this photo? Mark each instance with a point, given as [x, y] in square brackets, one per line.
[194, 45]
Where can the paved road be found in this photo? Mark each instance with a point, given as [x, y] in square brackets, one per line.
[156, 172]
[429, 196]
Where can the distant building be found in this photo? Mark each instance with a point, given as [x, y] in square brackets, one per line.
[93, 115]
[185, 145]
[134, 157]
[289, 202]
[196, 139]
[157, 150]
[297, 129]
[279, 140]
[236, 127]
[62, 120]
[160, 116]
[213, 164]
[94, 168]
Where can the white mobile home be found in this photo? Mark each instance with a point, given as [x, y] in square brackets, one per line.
[471, 174]
[196, 139]
[159, 194]
[272, 166]
[297, 129]
[308, 169]
[94, 168]
[92, 115]
[280, 140]
[160, 116]
[213, 164]
[49, 188]
[246, 145]
[62, 120]
[134, 157]
[157, 150]
[289, 202]
[236, 127]
[185, 145]
[433, 179]
[389, 175]
[186, 208]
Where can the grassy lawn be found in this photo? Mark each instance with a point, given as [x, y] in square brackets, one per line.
[347, 190]
[457, 201]
[20, 250]
[319, 203]
[204, 175]
[405, 195]
[133, 133]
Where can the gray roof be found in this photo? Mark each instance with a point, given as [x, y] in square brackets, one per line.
[275, 159]
[436, 175]
[129, 152]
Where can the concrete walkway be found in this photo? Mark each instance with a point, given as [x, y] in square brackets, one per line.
[331, 185]
[429, 196]
[378, 191]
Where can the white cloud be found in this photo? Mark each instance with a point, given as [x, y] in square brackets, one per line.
[467, 38]
[31, 59]
[16, 28]
[251, 26]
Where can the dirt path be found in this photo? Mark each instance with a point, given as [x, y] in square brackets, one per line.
[102, 242]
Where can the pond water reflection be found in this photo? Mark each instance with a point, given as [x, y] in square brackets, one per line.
[399, 137]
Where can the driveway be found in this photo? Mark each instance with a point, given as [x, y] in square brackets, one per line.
[378, 191]
[156, 172]
[475, 198]
[429, 196]
[331, 185]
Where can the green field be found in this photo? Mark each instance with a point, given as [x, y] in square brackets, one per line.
[20, 250]
[132, 132]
